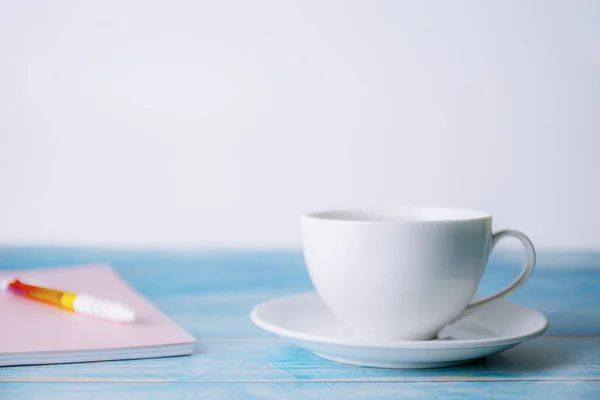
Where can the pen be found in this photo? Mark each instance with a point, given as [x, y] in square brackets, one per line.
[79, 303]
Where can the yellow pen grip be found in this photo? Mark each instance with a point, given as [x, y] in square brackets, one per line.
[67, 299]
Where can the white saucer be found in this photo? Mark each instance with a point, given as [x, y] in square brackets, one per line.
[304, 320]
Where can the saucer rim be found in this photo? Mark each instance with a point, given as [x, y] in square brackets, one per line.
[397, 344]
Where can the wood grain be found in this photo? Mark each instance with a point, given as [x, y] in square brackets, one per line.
[305, 391]
[544, 359]
[212, 293]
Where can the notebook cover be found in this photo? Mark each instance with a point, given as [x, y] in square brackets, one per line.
[31, 326]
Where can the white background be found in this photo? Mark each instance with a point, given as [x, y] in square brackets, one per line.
[217, 123]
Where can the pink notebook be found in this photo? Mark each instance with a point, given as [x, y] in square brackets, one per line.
[37, 333]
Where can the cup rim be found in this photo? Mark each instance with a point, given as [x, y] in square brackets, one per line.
[398, 215]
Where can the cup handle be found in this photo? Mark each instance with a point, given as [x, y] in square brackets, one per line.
[523, 276]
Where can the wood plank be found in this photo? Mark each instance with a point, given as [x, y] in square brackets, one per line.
[543, 359]
[305, 391]
[211, 293]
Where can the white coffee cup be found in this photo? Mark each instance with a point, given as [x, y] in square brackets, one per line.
[403, 274]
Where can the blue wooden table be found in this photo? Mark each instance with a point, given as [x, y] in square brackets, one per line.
[211, 294]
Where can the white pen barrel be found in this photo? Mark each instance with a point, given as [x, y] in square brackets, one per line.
[108, 310]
